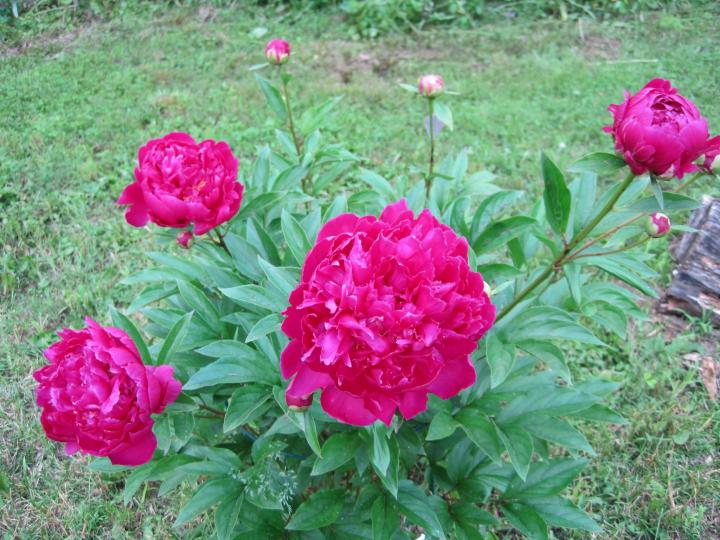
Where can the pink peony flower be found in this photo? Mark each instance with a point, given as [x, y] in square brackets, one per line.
[711, 163]
[387, 310]
[430, 85]
[179, 182]
[184, 239]
[659, 131]
[277, 51]
[657, 225]
[98, 397]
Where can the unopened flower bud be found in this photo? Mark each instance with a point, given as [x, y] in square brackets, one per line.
[657, 225]
[431, 85]
[298, 404]
[277, 51]
[185, 239]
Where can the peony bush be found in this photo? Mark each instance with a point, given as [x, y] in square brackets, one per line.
[310, 363]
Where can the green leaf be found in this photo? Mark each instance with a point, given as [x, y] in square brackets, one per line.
[468, 514]
[264, 326]
[125, 324]
[283, 278]
[559, 401]
[657, 192]
[556, 196]
[674, 202]
[547, 322]
[314, 117]
[136, 479]
[408, 87]
[246, 404]
[500, 357]
[390, 477]
[257, 297]
[616, 269]
[273, 97]
[584, 192]
[501, 232]
[482, 432]
[227, 516]
[443, 113]
[233, 371]
[599, 163]
[498, 272]
[381, 186]
[600, 413]
[244, 256]
[379, 451]
[526, 520]
[550, 354]
[546, 478]
[442, 426]
[311, 434]
[560, 512]
[572, 275]
[228, 348]
[385, 518]
[197, 300]
[320, 510]
[337, 450]
[415, 505]
[519, 445]
[207, 495]
[174, 339]
[295, 236]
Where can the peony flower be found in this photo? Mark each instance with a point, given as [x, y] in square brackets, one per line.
[179, 182]
[658, 131]
[387, 311]
[657, 225]
[277, 51]
[430, 85]
[98, 397]
[711, 162]
[184, 239]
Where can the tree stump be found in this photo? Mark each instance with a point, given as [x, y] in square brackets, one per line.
[695, 288]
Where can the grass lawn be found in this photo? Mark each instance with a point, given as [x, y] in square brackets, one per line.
[76, 106]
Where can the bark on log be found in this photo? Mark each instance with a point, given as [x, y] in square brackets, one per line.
[695, 288]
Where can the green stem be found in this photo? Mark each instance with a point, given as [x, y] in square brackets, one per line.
[557, 263]
[618, 250]
[692, 180]
[291, 124]
[431, 129]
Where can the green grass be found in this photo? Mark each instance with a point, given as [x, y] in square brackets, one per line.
[76, 108]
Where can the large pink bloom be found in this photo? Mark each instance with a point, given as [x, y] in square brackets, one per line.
[387, 310]
[179, 182]
[659, 131]
[97, 395]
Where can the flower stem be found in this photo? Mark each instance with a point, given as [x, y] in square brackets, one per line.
[695, 178]
[579, 255]
[431, 166]
[557, 263]
[220, 241]
[607, 234]
[216, 412]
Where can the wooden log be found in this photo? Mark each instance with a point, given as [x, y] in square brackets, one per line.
[695, 288]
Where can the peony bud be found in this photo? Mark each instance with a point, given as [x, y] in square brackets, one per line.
[657, 225]
[185, 239]
[430, 85]
[298, 404]
[711, 161]
[277, 51]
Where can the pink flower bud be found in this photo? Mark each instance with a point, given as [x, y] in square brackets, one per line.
[430, 85]
[657, 225]
[184, 239]
[299, 403]
[277, 51]
[711, 161]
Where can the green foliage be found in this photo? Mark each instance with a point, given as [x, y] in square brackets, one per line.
[209, 270]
